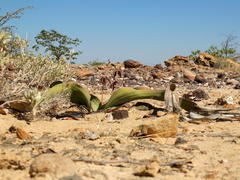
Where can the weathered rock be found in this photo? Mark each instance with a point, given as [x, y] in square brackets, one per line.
[177, 60]
[149, 170]
[220, 101]
[158, 66]
[120, 114]
[21, 134]
[22, 106]
[131, 64]
[237, 86]
[200, 79]
[197, 95]
[232, 82]
[221, 75]
[81, 73]
[75, 177]
[156, 75]
[190, 75]
[177, 78]
[53, 164]
[3, 111]
[205, 60]
[163, 127]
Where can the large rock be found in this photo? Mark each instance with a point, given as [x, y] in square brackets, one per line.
[52, 164]
[131, 64]
[177, 60]
[82, 73]
[190, 75]
[205, 60]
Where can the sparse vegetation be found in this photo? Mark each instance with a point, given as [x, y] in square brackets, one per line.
[228, 49]
[96, 63]
[60, 46]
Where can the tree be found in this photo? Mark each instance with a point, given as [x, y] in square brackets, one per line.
[59, 45]
[214, 51]
[11, 15]
[229, 46]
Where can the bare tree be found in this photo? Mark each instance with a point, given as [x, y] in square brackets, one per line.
[229, 45]
[11, 15]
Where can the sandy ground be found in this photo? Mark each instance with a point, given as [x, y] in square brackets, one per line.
[203, 150]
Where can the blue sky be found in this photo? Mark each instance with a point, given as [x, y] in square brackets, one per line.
[149, 31]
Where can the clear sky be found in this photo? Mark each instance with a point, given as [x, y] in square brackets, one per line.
[149, 31]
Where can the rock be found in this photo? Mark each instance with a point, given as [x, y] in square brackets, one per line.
[177, 78]
[81, 73]
[79, 133]
[237, 86]
[229, 100]
[221, 75]
[220, 101]
[177, 60]
[205, 60]
[197, 95]
[163, 127]
[53, 164]
[120, 114]
[156, 75]
[180, 140]
[131, 64]
[22, 106]
[90, 135]
[200, 79]
[158, 66]
[189, 75]
[75, 177]
[232, 82]
[21, 134]
[3, 111]
[149, 170]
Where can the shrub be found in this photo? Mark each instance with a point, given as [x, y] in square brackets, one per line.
[19, 74]
[96, 63]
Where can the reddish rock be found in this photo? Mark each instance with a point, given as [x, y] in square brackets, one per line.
[189, 75]
[3, 111]
[205, 60]
[81, 73]
[131, 64]
[177, 60]
[22, 106]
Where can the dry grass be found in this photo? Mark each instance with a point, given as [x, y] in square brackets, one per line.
[228, 64]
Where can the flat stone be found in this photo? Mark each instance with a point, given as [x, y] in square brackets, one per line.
[53, 164]
[120, 114]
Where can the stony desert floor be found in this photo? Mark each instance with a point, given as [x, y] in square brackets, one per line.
[97, 146]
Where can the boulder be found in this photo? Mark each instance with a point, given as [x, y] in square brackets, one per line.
[177, 60]
[205, 60]
[131, 64]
